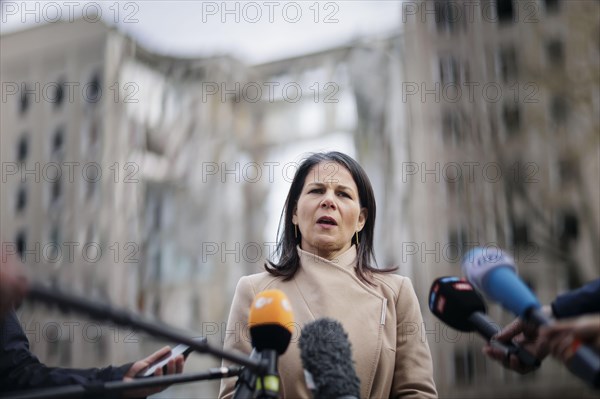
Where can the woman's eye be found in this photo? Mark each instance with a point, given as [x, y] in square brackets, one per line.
[344, 194]
[315, 190]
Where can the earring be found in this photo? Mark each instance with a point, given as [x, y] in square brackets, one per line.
[357, 238]
[295, 231]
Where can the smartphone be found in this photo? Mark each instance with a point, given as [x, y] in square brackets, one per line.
[162, 362]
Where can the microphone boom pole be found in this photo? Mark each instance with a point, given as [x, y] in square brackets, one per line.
[102, 312]
[76, 391]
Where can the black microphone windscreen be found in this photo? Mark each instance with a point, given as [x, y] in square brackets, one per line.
[270, 336]
[327, 354]
[453, 301]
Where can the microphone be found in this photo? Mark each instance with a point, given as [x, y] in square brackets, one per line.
[326, 356]
[494, 273]
[455, 302]
[271, 323]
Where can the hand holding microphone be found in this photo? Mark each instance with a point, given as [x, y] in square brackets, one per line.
[564, 336]
[524, 335]
[457, 304]
[494, 273]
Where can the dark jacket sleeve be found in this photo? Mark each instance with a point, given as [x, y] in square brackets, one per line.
[21, 370]
[578, 302]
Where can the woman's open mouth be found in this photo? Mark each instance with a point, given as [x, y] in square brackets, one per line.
[326, 221]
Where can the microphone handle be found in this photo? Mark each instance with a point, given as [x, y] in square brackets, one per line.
[246, 383]
[487, 328]
[585, 362]
[484, 325]
[104, 388]
[267, 385]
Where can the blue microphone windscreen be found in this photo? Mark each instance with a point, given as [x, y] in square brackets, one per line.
[504, 286]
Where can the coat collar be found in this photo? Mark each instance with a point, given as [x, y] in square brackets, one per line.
[346, 260]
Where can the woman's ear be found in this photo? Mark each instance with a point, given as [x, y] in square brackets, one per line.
[294, 215]
[362, 219]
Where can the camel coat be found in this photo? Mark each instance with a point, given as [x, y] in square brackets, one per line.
[384, 325]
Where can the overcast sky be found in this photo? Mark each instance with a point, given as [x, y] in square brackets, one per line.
[254, 31]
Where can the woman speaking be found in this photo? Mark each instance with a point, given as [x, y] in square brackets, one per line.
[326, 268]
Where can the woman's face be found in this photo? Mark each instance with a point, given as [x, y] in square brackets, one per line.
[328, 212]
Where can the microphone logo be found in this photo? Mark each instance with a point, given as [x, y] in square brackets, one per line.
[482, 257]
[262, 302]
[463, 286]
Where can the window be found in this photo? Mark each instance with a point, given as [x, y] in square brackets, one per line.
[54, 244]
[21, 198]
[449, 71]
[559, 109]
[568, 227]
[505, 10]
[567, 171]
[21, 242]
[555, 52]
[24, 100]
[93, 134]
[22, 148]
[520, 234]
[552, 6]
[56, 191]
[59, 94]
[451, 127]
[507, 63]
[446, 16]
[58, 141]
[512, 117]
[93, 89]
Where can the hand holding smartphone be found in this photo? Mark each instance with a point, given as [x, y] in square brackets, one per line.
[162, 362]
